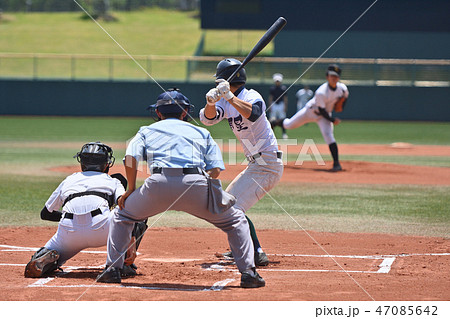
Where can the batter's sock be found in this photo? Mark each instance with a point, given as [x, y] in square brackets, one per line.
[334, 152]
[255, 240]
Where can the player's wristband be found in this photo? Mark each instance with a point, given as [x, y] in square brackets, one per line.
[228, 96]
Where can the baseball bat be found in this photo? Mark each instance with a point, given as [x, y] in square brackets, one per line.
[262, 43]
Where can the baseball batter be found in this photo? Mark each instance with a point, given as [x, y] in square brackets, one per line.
[330, 96]
[177, 154]
[245, 111]
[86, 199]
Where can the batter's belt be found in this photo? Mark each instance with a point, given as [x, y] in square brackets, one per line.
[253, 157]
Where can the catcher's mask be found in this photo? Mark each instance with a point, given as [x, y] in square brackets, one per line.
[95, 156]
[171, 104]
[226, 67]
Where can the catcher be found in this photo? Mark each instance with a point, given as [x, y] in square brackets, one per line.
[330, 96]
[88, 201]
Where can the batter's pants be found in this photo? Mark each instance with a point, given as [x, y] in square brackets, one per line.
[257, 179]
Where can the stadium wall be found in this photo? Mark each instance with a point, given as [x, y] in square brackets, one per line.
[103, 98]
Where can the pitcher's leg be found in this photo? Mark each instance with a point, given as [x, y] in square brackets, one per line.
[298, 119]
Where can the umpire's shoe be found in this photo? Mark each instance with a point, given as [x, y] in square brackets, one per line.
[42, 263]
[111, 275]
[251, 279]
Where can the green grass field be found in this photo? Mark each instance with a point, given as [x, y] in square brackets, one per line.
[30, 145]
[146, 32]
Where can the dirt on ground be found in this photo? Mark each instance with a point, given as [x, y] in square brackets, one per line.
[186, 264]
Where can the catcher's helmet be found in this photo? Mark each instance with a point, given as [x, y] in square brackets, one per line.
[226, 67]
[172, 102]
[95, 156]
[334, 69]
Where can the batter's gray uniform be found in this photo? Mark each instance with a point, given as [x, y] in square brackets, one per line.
[177, 153]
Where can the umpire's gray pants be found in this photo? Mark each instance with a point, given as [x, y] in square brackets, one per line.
[171, 190]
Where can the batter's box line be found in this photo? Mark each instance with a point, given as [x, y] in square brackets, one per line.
[383, 268]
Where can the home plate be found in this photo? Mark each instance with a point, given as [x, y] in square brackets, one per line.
[170, 260]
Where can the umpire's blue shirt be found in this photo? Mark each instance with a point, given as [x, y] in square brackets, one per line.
[177, 144]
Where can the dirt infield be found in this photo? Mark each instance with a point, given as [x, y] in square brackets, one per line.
[181, 264]
[355, 172]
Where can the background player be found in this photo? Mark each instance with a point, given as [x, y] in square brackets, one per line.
[177, 154]
[278, 101]
[245, 111]
[303, 96]
[86, 199]
[330, 96]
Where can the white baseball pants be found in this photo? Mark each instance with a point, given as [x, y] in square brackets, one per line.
[81, 232]
[307, 115]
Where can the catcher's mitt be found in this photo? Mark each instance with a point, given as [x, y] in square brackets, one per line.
[339, 105]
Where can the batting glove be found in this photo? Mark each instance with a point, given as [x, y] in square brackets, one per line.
[213, 96]
[224, 89]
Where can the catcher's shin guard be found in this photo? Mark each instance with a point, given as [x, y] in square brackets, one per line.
[136, 237]
[44, 261]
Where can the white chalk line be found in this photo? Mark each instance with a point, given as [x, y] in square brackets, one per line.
[19, 248]
[384, 268]
[363, 257]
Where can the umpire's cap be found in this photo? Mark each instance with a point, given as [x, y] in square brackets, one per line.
[334, 69]
[226, 67]
[95, 156]
[171, 101]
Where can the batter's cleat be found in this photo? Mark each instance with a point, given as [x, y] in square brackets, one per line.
[261, 259]
[43, 264]
[128, 271]
[285, 136]
[228, 255]
[249, 280]
[336, 167]
[111, 275]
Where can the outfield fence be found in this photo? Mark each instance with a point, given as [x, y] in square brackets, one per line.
[306, 71]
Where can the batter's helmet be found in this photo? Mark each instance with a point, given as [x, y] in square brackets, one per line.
[226, 67]
[95, 156]
[334, 69]
[172, 102]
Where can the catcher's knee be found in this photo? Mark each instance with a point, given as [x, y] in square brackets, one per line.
[42, 263]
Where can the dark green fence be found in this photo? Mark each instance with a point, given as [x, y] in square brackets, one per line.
[115, 98]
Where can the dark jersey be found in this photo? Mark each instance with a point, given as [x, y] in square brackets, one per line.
[277, 91]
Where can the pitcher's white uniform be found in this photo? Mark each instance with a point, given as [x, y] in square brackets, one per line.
[83, 230]
[260, 146]
[326, 98]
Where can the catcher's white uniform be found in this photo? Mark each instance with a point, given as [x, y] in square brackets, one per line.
[260, 147]
[82, 230]
[325, 97]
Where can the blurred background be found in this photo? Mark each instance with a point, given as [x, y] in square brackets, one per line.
[54, 60]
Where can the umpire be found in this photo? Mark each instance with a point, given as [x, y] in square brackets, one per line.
[177, 154]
